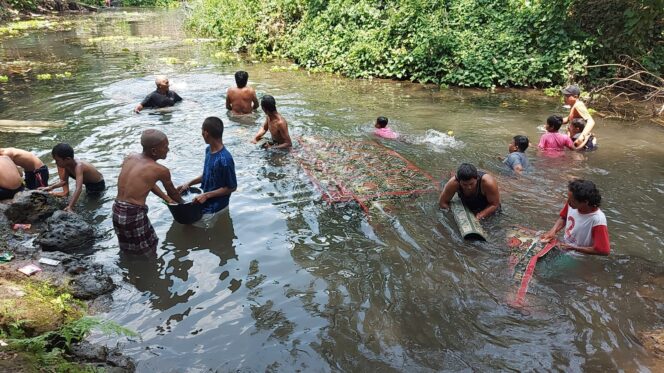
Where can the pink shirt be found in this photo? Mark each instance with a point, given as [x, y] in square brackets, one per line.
[555, 141]
[386, 133]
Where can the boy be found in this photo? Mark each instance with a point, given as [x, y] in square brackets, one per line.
[576, 128]
[478, 191]
[382, 130]
[241, 100]
[10, 178]
[584, 222]
[138, 176]
[161, 97]
[276, 124]
[552, 140]
[218, 179]
[36, 172]
[517, 160]
[82, 172]
[578, 109]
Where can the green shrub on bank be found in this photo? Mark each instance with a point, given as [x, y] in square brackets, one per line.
[464, 42]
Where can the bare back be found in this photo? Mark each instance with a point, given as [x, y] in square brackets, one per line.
[22, 158]
[278, 128]
[138, 176]
[90, 173]
[9, 176]
[241, 100]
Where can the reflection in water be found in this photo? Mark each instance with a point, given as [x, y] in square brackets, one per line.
[292, 283]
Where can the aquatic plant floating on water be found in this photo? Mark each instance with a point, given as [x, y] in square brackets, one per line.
[292, 67]
[4, 78]
[170, 60]
[44, 76]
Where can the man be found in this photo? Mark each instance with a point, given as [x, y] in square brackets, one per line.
[161, 97]
[36, 172]
[218, 179]
[578, 109]
[585, 224]
[478, 191]
[276, 124]
[241, 100]
[138, 176]
[10, 179]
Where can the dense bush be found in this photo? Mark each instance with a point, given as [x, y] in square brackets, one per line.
[462, 42]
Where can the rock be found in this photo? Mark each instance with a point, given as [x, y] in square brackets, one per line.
[66, 231]
[91, 284]
[112, 357]
[653, 341]
[31, 206]
[88, 351]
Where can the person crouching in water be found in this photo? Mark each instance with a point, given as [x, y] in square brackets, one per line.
[478, 191]
[576, 127]
[138, 176]
[218, 179]
[584, 223]
[276, 124]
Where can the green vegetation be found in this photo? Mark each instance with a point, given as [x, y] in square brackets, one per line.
[480, 43]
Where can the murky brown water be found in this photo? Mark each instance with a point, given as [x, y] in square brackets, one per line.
[286, 282]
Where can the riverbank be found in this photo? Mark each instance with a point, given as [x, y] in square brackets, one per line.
[28, 9]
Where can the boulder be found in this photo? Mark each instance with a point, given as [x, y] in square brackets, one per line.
[31, 206]
[66, 232]
[91, 284]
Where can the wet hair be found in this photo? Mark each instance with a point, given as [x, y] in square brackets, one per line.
[579, 123]
[214, 127]
[466, 171]
[63, 151]
[382, 122]
[585, 191]
[521, 142]
[268, 104]
[150, 138]
[554, 122]
[241, 78]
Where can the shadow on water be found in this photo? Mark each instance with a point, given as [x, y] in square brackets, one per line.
[286, 281]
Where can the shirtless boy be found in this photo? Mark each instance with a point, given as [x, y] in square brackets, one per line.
[36, 172]
[478, 191]
[276, 124]
[138, 176]
[82, 172]
[241, 100]
[10, 178]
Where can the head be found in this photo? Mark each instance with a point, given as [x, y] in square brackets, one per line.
[583, 195]
[553, 123]
[268, 104]
[519, 144]
[162, 83]
[63, 154]
[155, 144]
[467, 176]
[213, 129]
[241, 78]
[577, 125]
[571, 93]
[381, 122]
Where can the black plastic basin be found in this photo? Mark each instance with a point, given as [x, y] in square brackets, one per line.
[187, 213]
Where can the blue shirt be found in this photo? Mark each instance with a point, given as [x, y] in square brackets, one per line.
[218, 172]
[516, 158]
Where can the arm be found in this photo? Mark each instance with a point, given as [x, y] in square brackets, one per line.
[223, 191]
[185, 186]
[157, 191]
[254, 100]
[449, 189]
[490, 187]
[228, 102]
[165, 178]
[79, 188]
[260, 133]
[518, 169]
[551, 234]
[590, 124]
[176, 97]
[64, 183]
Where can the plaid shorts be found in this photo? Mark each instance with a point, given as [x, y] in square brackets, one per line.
[133, 228]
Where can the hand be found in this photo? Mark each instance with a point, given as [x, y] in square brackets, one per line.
[183, 187]
[201, 198]
[254, 141]
[548, 236]
[266, 146]
[69, 209]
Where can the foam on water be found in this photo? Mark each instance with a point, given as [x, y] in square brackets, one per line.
[439, 141]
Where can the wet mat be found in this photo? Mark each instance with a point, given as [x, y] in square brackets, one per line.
[526, 249]
[349, 170]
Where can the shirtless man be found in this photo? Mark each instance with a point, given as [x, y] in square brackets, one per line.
[81, 171]
[10, 178]
[276, 124]
[478, 191]
[138, 176]
[36, 172]
[241, 100]
[161, 97]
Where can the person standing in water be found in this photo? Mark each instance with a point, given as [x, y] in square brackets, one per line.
[478, 191]
[274, 123]
[161, 97]
[242, 99]
[578, 109]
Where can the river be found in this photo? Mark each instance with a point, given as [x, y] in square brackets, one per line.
[287, 282]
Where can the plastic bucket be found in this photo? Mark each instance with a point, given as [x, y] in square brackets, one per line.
[187, 213]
